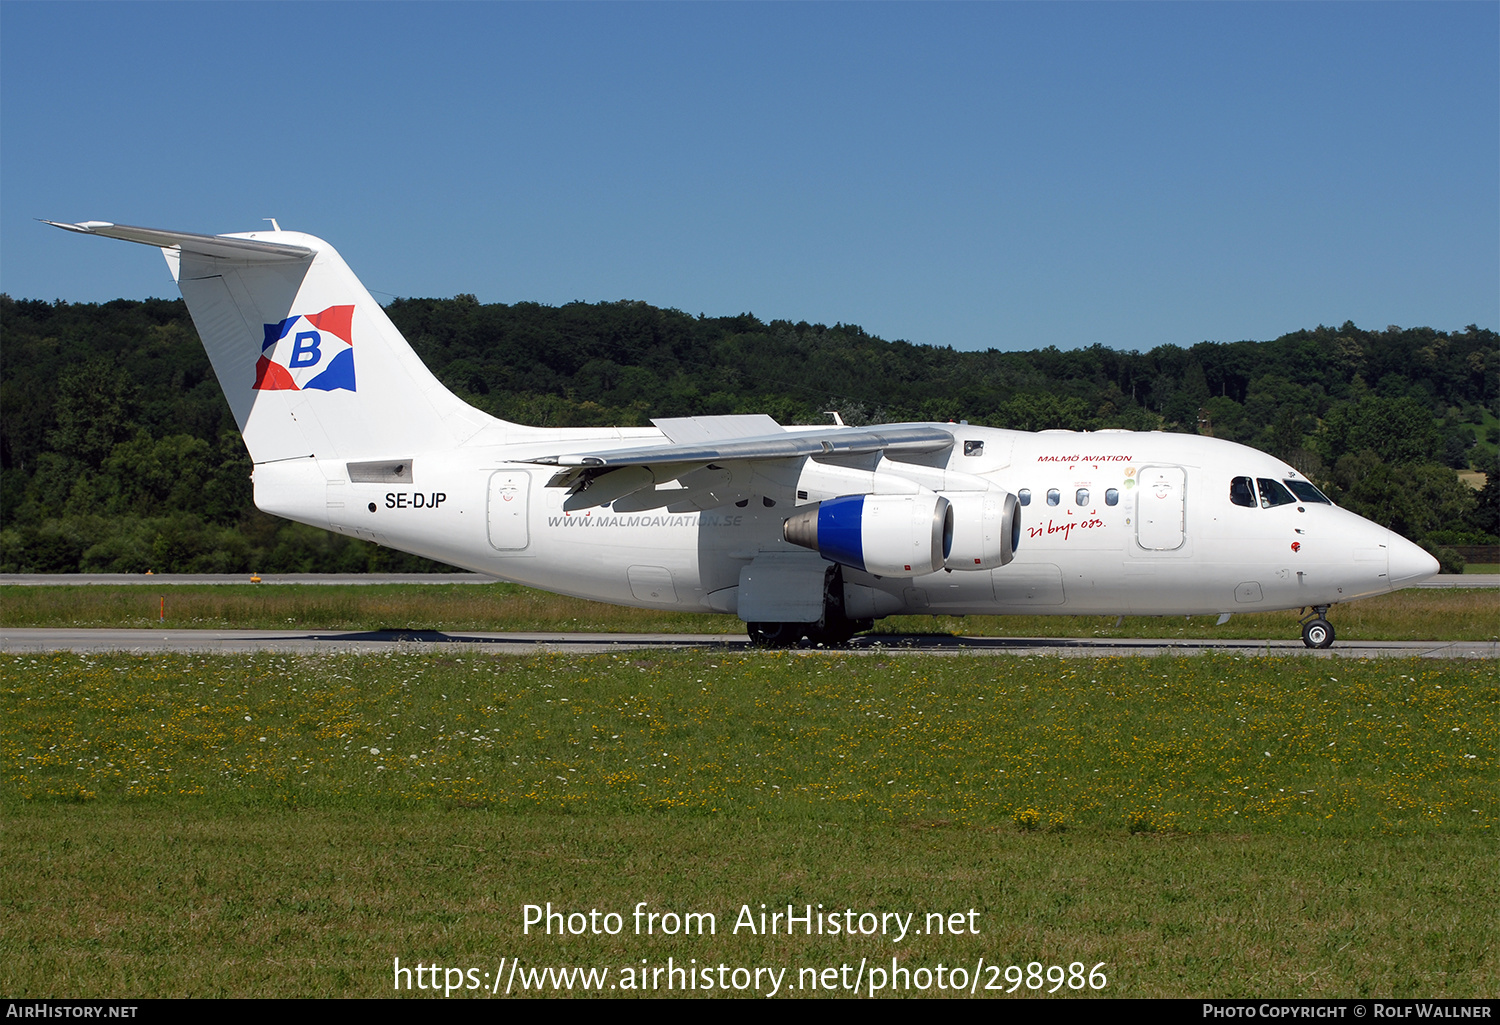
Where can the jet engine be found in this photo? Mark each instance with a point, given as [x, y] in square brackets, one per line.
[911, 535]
[887, 535]
[985, 529]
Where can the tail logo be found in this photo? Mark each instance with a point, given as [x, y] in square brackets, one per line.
[308, 351]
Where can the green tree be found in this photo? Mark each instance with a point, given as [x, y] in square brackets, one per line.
[95, 410]
[1413, 499]
[1397, 430]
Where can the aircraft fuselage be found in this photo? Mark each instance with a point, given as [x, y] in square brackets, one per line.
[1111, 523]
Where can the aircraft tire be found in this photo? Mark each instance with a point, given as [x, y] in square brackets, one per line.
[833, 633]
[775, 635]
[1317, 633]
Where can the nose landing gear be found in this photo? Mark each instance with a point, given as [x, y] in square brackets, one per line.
[1317, 631]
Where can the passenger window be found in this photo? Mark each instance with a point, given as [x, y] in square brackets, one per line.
[1273, 494]
[1082, 496]
[1053, 497]
[973, 448]
[1112, 496]
[1242, 492]
[1307, 493]
[1024, 495]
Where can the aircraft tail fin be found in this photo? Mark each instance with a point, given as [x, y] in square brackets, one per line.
[309, 361]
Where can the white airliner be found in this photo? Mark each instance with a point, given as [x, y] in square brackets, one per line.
[803, 532]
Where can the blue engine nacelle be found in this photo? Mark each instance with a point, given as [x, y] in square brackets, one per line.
[910, 535]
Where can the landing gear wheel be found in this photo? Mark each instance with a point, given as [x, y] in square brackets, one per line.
[833, 633]
[835, 629]
[1317, 633]
[775, 635]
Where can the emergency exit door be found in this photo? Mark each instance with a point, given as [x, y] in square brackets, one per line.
[1161, 508]
[508, 499]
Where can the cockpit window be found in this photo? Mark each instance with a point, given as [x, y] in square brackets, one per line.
[1242, 492]
[1306, 492]
[1273, 494]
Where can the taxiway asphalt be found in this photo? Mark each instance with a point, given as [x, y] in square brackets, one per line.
[387, 641]
[175, 579]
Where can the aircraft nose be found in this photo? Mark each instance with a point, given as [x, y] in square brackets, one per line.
[1408, 563]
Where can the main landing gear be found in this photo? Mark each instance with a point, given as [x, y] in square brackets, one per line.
[1317, 631]
[776, 635]
[828, 633]
[832, 631]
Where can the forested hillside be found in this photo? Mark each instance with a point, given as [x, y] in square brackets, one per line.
[118, 452]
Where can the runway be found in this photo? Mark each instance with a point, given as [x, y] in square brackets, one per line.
[367, 579]
[480, 642]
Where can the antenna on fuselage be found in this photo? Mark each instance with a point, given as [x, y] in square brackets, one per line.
[274, 225]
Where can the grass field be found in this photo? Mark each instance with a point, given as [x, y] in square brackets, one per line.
[283, 825]
[1419, 614]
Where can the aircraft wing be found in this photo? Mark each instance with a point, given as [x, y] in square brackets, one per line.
[672, 460]
[782, 445]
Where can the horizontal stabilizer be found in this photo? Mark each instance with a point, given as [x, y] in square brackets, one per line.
[224, 247]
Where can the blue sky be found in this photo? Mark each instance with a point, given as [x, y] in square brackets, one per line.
[1008, 175]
